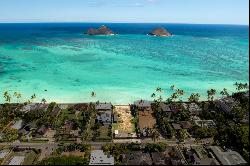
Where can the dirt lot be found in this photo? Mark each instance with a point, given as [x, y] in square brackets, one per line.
[146, 119]
[124, 119]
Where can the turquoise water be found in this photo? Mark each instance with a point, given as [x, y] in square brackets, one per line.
[59, 58]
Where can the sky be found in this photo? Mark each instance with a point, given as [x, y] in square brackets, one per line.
[133, 11]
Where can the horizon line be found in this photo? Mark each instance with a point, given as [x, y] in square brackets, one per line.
[55, 22]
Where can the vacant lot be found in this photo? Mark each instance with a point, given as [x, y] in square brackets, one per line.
[124, 119]
[146, 119]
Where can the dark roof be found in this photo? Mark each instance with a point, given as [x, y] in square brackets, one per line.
[42, 129]
[137, 158]
[164, 107]
[160, 158]
[186, 124]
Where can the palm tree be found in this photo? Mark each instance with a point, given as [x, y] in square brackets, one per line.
[7, 96]
[210, 94]
[17, 95]
[33, 97]
[158, 89]
[43, 101]
[172, 87]
[93, 94]
[194, 97]
[224, 92]
[153, 95]
[241, 86]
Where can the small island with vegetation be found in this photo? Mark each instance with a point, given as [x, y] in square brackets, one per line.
[102, 30]
[160, 32]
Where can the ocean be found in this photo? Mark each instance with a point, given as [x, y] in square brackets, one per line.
[58, 62]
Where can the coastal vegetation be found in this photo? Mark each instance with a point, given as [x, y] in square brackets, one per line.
[230, 125]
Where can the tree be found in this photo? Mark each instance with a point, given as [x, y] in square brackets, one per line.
[43, 101]
[182, 135]
[154, 134]
[93, 94]
[224, 92]
[7, 97]
[159, 147]
[194, 97]
[210, 94]
[33, 97]
[64, 160]
[158, 89]
[241, 86]
[153, 95]
[172, 87]
[17, 95]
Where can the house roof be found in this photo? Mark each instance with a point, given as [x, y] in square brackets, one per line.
[99, 158]
[17, 125]
[208, 161]
[103, 106]
[227, 158]
[164, 107]
[42, 129]
[186, 124]
[205, 123]
[176, 126]
[137, 158]
[159, 158]
[143, 103]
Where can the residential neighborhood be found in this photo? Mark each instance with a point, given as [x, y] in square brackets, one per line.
[143, 133]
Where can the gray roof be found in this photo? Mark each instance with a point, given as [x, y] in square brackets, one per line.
[227, 158]
[99, 158]
[18, 125]
[164, 107]
[205, 123]
[226, 104]
[208, 161]
[143, 103]
[176, 126]
[103, 106]
[105, 117]
[16, 160]
[186, 124]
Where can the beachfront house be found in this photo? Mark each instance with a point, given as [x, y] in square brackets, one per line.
[227, 157]
[104, 113]
[226, 104]
[143, 104]
[34, 106]
[98, 157]
[166, 109]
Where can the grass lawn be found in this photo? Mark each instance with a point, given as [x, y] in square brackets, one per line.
[30, 158]
[103, 133]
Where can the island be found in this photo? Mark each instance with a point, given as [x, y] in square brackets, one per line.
[160, 32]
[103, 30]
